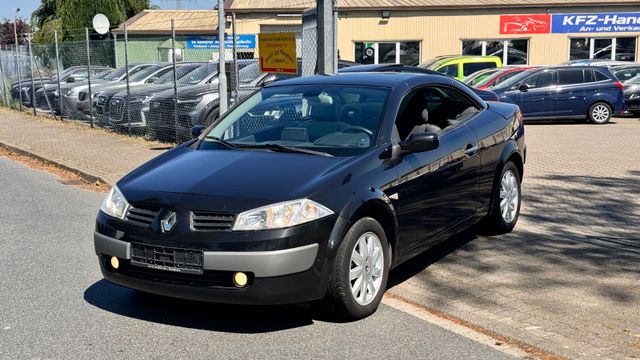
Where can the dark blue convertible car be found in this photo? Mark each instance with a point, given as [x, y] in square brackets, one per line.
[313, 189]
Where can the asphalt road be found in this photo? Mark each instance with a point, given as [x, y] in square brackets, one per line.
[54, 303]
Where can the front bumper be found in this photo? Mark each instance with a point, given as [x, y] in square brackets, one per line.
[285, 276]
[259, 263]
[632, 105]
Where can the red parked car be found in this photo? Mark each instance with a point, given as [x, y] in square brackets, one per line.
[500, 76]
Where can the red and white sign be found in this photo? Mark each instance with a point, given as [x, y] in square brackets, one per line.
[525, 24]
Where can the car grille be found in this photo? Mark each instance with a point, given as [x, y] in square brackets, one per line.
[209, 221]
[116, 108]
[140, 216]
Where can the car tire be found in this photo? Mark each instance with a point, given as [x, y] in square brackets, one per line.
[600, 113]
[635, 114]
[345, 297]
[507, 188]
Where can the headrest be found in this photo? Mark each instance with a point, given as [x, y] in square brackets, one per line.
[425, 115]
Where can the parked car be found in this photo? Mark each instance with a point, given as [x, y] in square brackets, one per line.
[626, 72]
[76, 73]
[126, 109]
[480, 75]
[483, 94]
[314, 188]
[632, 95]
[47, 96]
[578, 92]
[102, 93]
[198, 104]
[461, 66]
[498, 77]
[596, 62]
[74, 107]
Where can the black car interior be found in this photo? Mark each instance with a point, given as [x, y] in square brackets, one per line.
[432, 109]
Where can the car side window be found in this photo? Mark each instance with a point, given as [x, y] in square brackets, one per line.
[570, 76]
[470, 68]
[432, 109]
[449, 70]
[539, 80]
[600, 76]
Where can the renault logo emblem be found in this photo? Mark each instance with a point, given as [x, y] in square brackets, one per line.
[168, 222]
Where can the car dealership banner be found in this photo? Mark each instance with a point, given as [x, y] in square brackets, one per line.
[569, 23]
[244, 41]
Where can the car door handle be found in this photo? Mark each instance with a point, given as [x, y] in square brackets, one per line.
[470, 150]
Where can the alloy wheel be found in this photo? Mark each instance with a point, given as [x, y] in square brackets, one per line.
[600, 113]
[509, 196]
[367, 268]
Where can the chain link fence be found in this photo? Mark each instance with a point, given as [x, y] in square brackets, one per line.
[157, 87]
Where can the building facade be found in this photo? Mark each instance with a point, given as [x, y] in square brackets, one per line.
[413, 31]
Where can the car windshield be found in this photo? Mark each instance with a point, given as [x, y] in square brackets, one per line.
[321, 119]
[501, 77]
[102, 75]
[117, 74]
[249, 73]
[181, 71]
[479, 76]
[142, 75]
[196, 76]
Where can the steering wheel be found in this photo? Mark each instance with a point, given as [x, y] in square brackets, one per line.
[357, 129]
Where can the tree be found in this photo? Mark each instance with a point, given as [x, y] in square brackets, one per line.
[7, 35]
[70, 17]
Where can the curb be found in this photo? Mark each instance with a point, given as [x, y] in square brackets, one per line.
[84, 175]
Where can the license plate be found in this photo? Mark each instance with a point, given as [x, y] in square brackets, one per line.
[167, 258]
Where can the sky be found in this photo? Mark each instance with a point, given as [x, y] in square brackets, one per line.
[8, 7]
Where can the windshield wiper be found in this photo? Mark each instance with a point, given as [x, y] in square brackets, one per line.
[282, 148]
[224, 143]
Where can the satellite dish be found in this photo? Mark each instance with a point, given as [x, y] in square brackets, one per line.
[101, 24]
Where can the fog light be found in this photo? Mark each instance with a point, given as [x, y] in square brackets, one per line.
[240, 279]
[115, 263]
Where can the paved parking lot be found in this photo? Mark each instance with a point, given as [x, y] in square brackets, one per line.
[567, 279]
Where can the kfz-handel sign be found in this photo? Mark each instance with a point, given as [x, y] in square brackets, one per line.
[278, 53]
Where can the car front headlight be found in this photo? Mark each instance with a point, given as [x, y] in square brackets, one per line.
[281, 215]
[67, 92]
[634, 96]
[115, 204]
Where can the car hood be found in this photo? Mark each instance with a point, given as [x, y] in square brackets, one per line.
[246, 174]
[149, 89]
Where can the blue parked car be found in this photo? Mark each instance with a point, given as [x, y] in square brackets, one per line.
[576, 92]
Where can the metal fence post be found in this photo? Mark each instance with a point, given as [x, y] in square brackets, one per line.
[326, 51]
[4, 79]
[61, 103]
[126, 66]
[33, 80]
[222, 73]
[335, 36]
[236, 82]
[175, 79]
[86, 31]
[17, 53]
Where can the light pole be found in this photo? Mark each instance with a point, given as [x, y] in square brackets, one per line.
[222, 74]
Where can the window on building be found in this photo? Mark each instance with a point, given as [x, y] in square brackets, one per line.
[517, 50]
[406, 53]
[622, 48]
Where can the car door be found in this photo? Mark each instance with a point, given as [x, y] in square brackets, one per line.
[537, 97]
[571, 92]
[437, 188]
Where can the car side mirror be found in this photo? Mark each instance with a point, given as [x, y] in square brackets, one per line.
[523, 87]
[197, 130]
[420, 142]
[70, 80]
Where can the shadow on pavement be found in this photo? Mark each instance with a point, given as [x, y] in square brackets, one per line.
[196, 315]
[577, 235]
